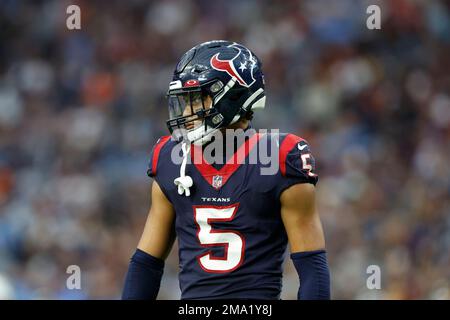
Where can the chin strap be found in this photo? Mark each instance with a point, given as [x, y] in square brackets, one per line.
[184, 182]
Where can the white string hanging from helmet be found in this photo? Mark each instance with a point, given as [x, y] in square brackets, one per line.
[184, 182]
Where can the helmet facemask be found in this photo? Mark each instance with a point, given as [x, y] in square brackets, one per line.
[191, 114]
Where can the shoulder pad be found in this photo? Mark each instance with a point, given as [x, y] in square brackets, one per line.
[154, 155]
[296, 160]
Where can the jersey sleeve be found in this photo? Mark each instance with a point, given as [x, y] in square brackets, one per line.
[297, 164]
[152, 168]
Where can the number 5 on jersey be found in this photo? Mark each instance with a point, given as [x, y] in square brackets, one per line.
[232, 241]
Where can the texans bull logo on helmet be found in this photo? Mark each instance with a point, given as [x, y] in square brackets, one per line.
[239, 67]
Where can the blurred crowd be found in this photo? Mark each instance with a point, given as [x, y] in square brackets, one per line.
[80, 111]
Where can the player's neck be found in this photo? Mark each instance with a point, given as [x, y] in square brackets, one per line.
[228, 134]
[243, 124]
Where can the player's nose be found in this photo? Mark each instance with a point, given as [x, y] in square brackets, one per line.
[192, 119]
[189, 124]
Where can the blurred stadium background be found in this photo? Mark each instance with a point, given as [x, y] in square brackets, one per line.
[80, 111]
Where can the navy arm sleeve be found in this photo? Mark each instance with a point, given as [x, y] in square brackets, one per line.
[314, 274]
[143, 278]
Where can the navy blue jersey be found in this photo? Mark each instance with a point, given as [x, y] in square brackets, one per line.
[230, 234]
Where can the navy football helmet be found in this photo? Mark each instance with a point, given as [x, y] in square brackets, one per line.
[223, 80]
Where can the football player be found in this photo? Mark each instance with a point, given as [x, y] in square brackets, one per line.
[232, 223]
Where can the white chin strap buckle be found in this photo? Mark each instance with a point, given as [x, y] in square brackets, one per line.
[184, 182]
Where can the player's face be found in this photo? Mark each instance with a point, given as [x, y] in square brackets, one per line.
[195, 102]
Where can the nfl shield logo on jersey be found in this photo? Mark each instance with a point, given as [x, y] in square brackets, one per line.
[217, 182]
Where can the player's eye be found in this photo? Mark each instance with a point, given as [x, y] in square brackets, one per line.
[196, 98]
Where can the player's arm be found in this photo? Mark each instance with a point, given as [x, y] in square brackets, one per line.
[300, 218]
[159, 231]
[147, 264]
[306, 241]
